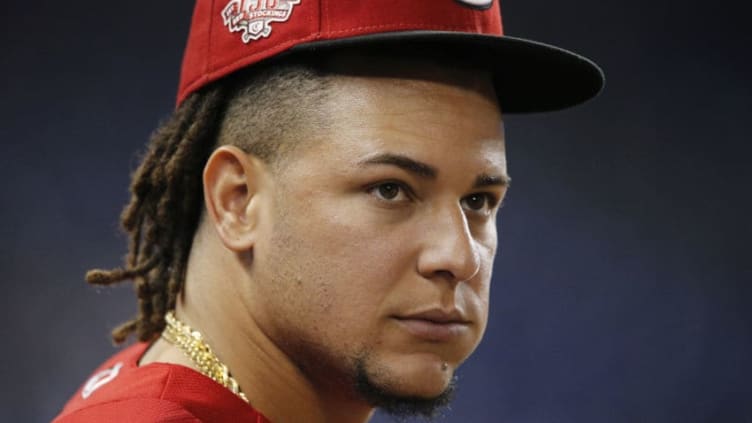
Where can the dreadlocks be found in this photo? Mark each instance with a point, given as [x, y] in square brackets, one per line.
[260, 113]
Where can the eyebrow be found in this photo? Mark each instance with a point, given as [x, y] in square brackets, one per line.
[427, 171]
[485, 180]
[403, 162]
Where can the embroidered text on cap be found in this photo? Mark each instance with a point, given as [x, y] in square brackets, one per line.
[254, 17]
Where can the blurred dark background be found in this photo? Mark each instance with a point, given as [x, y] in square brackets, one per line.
[623, 287]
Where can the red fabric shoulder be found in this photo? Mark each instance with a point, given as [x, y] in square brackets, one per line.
[121, 391]
[145, 410]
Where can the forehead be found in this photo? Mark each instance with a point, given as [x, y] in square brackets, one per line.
[416, 108]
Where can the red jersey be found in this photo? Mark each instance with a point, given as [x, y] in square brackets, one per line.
[121, 391]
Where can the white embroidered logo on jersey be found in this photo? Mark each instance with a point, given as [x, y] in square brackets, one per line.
[254, 17]
[100, 379]
[477, 4]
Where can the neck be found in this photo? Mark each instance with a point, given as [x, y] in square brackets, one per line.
[267, 376]
[271, 380]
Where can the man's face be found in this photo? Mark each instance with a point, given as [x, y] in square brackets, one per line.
[375, 254]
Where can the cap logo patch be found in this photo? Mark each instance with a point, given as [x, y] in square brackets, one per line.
[254, 17]
[476, 4]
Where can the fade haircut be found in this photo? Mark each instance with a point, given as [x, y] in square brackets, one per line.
[265, 112]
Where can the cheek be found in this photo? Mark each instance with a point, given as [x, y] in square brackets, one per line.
[342, 263]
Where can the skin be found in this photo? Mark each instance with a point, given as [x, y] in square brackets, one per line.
[300, 270]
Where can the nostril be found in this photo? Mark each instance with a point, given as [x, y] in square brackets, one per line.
[445, 274]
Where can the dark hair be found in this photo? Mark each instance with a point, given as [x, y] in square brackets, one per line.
[259, 111]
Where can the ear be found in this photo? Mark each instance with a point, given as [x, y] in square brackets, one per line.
[232, 179]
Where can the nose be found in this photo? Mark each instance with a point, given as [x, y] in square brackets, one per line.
[449, 251]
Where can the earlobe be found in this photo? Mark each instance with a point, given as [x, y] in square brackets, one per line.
[232, 179]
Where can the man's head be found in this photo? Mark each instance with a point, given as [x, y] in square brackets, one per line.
[366, 252]
[343, 202]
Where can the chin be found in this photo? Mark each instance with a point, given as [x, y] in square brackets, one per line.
[405, 388]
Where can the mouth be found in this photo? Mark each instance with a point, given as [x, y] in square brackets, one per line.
[435, 325]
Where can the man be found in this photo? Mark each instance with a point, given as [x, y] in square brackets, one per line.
[313, 230]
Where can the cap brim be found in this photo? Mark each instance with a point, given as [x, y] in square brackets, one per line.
[529, 76]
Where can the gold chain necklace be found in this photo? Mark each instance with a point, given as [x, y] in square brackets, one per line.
[192, 344]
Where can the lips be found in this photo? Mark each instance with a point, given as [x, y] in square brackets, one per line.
[435, 325]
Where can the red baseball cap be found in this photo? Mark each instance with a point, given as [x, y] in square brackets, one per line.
[228, 35]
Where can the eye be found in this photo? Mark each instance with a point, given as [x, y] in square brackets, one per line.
[390, 191]
[479, 202]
